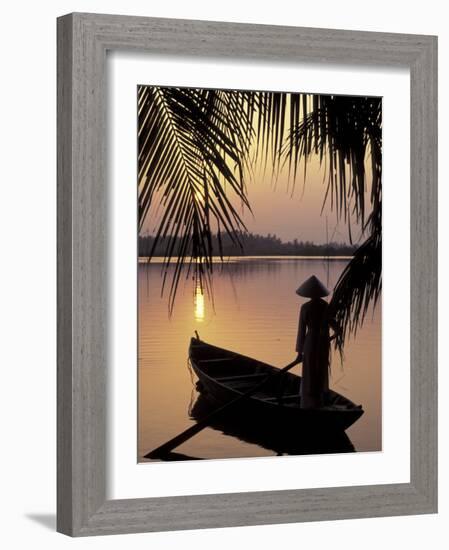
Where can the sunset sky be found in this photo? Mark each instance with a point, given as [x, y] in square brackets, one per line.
[285, 211]
[290, 212]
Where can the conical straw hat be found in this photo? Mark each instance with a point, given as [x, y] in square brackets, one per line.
[312, 288]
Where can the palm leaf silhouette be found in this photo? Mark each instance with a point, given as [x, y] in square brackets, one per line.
[197, 147]
[193, 147]
[346, 132]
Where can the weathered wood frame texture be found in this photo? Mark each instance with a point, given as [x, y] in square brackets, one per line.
[83, 40]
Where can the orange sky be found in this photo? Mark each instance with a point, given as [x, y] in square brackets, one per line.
[293, 211]
[290, 213]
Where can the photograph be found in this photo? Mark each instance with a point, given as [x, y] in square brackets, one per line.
[259, 273]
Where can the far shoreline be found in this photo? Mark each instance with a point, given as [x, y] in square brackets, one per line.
[230, 259]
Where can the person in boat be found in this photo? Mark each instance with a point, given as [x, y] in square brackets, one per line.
[313, 343]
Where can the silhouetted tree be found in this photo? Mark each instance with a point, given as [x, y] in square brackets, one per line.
[196, 147]
[254, 245]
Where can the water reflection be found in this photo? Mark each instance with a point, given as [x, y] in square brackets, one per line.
[255, 312]
[236, 266]
[198, 302]
[273, 436]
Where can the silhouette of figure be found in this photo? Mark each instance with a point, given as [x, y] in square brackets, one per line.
[313, 343]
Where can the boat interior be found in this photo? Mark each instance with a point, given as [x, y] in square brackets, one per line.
[241, 373]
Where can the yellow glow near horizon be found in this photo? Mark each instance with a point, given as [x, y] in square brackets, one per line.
[288, 208]
[199, 304]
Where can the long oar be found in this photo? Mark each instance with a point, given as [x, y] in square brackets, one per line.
[190, 432]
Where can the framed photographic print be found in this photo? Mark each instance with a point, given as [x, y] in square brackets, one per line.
[246, 274]
[235, 221]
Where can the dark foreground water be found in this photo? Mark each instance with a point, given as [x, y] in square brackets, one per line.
[255, 313]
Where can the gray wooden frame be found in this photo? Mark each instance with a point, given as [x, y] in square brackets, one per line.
[83, 40]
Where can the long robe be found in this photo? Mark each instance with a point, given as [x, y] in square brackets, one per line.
[313, 342]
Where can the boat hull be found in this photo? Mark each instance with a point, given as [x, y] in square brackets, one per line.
[224, 375]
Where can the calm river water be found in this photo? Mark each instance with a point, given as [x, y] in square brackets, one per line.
[255, 313]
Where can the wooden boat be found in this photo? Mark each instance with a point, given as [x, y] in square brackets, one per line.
[223, 375]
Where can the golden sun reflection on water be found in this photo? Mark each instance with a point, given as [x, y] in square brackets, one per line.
[198, 302]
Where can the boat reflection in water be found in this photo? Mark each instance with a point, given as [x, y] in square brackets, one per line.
[260, 404]
[241, 423]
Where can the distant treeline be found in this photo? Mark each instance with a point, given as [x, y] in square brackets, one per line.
[255, 245]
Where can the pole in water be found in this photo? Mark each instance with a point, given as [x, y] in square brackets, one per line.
[164, 449]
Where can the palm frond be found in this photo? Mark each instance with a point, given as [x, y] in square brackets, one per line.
[192, 154]
[358, 289]
[195, 151]
[345, 131]
[342, 130]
